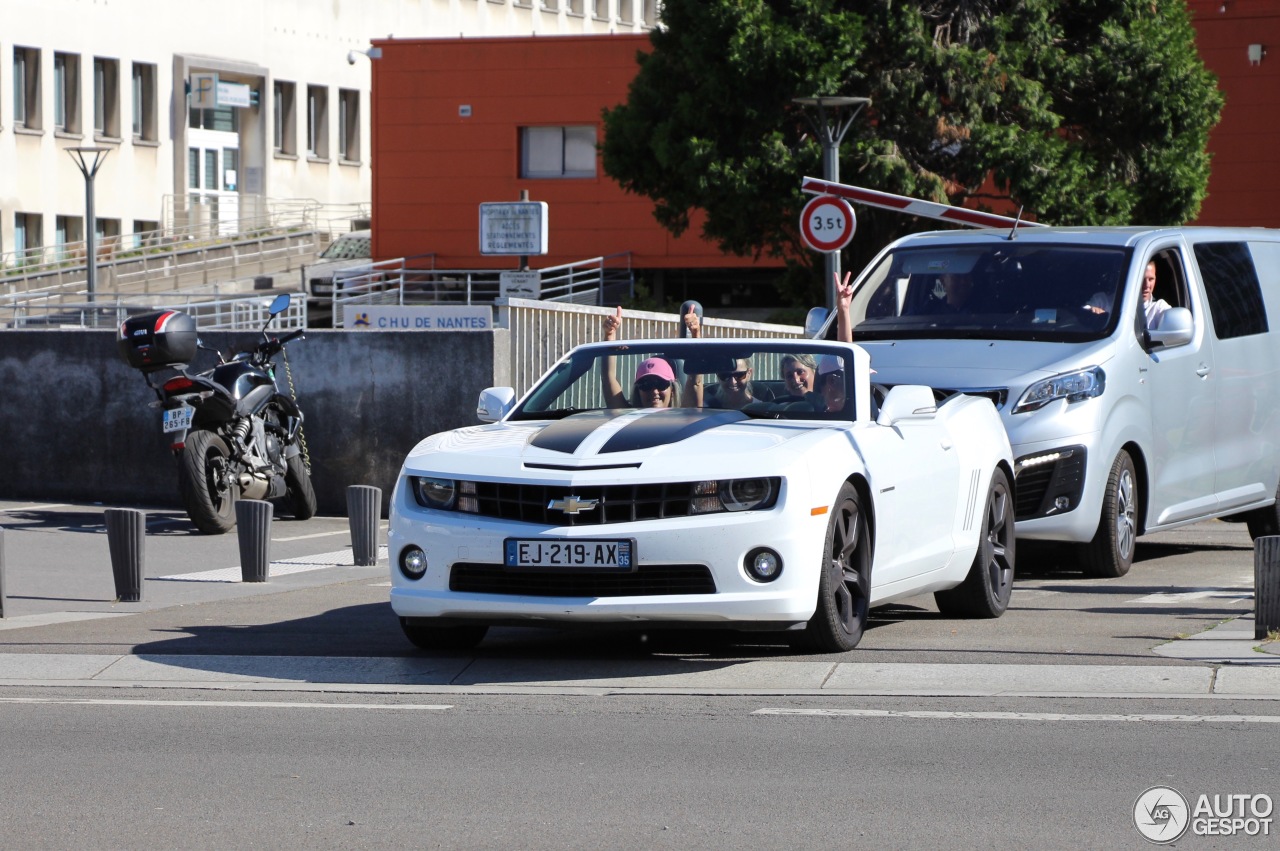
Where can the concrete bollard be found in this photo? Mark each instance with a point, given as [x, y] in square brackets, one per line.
[253, 529]
[126, 536]
[364, 510]
[1266, 585]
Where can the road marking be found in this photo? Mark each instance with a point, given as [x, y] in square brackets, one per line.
[1023, 716]
[284, 567]
[35, 507]
[234, 704]
[1230, 596]
[320, 534]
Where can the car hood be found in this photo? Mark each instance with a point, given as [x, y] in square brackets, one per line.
[967, 364]
[604, 440]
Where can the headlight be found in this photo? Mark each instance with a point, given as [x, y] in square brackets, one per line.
[435, 493]
[734, 495]
[1072, 386]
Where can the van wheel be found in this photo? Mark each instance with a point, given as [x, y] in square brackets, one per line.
[1110, 553]
[1263, 521]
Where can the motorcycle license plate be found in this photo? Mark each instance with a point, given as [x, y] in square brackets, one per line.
[178, 419]
[587, 554]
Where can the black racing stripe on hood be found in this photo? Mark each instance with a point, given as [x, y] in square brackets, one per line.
[670, 426]
[566, 435]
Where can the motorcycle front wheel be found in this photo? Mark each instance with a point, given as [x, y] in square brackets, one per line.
[301, 499]
[207, 482]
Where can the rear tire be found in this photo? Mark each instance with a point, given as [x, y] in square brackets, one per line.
[844, 584]
[426, 637]
[1110, 554]
[207, 482]
[985, 592]
[301, 499]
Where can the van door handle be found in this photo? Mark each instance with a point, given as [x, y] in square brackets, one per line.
[1202, 370]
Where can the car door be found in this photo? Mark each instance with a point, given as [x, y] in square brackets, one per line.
[914, 486]
[1180, 383]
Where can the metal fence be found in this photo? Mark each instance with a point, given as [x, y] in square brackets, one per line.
[228, 312]
[541, 332]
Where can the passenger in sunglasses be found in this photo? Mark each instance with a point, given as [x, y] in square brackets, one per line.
[655, 383]
[733, 388]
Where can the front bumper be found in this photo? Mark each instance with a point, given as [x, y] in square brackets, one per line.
[712, 546]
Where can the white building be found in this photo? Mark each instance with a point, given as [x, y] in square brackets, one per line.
[213, 113]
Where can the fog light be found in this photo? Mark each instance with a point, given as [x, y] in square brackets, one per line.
[413, 562]
[763, 564]
[1062, 503]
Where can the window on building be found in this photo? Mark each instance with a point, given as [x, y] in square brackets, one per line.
[550, 5]
[575, 7]
[145, 126]
[626, 13]
[649, 12]
[348, 125]
[558, 151]
[600, 9]
[28, 235]
[107, 232]
[145, 233]
[106, 97]
[285, 120]
[68, 231]
[26, 88]
[211, 169]
[66, 92]
[230, 169]
[193, 168]
[318, 122]
[225, 118]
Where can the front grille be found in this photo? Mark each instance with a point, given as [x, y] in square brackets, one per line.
[645, 581]
[615, 503]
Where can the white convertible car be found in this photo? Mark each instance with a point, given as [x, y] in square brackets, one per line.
[742, 484]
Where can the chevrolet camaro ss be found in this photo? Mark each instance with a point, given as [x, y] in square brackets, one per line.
[758, 484]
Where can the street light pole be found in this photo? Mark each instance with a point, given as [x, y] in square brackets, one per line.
[89, 159]
[830, 131]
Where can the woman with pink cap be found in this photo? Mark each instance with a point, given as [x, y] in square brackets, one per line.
[655, 383]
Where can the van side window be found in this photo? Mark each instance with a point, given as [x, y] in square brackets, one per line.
[1232, 288]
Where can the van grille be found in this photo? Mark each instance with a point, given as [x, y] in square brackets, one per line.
[1044, 477]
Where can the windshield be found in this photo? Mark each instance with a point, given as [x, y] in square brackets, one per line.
[1006, 291]
[777, 379]
[347, 248]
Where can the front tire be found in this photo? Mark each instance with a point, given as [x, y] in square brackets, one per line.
[844, 585]
[985, 592]
[426, 637]
[1110, 554]
[207, 482]
[301, 499]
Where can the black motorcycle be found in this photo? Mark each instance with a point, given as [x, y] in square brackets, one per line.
[236, 436]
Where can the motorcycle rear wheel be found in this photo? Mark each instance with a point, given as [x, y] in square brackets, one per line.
[301, 499]
[207, 482]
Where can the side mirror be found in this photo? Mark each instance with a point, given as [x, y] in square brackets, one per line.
[495, 403]
[280, 304]
[814, 322]
[907, 402]
[1176, 328]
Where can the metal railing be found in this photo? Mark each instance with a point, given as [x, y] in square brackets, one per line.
[212, 311]
[541, 332]
[599, 280]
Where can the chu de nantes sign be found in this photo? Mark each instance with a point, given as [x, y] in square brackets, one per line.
[364, 317]
[515, 227]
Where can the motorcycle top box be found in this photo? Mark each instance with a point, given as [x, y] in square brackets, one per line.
[154, 340]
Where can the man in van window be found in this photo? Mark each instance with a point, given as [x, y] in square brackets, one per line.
[956, 290]
[1100, 302]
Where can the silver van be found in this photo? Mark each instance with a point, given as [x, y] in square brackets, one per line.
[1120, 424]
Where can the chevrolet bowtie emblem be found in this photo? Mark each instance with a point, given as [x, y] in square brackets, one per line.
[573, 505]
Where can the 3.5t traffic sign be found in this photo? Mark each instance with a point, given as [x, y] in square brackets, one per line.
[827, 223]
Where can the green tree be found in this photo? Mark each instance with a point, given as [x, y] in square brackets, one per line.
[1081, 111]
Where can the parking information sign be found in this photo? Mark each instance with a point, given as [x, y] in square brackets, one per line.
[827, 223]
[517, 227]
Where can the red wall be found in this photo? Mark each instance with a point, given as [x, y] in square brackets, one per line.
[1245, 183]
[432, 168]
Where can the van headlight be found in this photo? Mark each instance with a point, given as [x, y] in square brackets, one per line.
[1072, 386]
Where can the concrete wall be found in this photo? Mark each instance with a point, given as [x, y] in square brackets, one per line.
[76, 422]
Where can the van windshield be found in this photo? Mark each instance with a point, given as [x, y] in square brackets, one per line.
[1006, 291]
